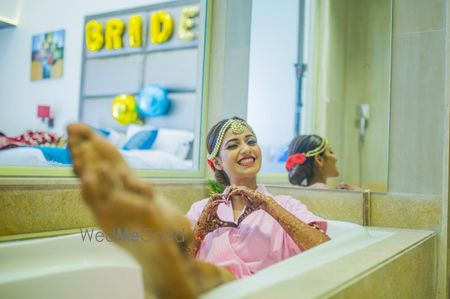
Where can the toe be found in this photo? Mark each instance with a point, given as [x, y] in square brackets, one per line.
[80, 131]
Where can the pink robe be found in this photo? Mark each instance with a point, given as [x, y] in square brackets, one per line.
[257, 243]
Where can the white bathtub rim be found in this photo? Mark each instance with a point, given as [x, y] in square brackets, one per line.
[25, 259]
[346, 233]
[357, 239]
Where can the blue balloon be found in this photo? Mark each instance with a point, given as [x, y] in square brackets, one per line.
[153, 101]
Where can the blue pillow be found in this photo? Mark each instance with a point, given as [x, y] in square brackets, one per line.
[55, 154]
[142, 140]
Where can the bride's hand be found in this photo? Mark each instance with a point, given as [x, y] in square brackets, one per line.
[347, 186]
[253, 199]
[209, 220]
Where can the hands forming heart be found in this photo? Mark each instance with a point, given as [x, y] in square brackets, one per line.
[210, 221]
[253, 199]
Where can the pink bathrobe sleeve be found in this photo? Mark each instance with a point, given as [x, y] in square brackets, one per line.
[257, 243]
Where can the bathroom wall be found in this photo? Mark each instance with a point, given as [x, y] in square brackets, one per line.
[418, 141]
[53, 207]
[418, 102]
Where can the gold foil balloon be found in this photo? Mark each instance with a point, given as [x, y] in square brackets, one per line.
[124, 109]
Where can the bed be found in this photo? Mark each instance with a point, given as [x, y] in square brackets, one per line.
[139, 159]
[143, 147]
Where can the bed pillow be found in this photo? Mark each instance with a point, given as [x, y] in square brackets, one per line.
[116, 138]
[142, 140]
[172, 141]
[176, 142]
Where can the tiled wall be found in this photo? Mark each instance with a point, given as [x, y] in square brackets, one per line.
[417, 97]
[43, 208]
[408, 275]
[387, 209]
[418, 143]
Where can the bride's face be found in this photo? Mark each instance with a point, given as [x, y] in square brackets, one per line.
[239, 155]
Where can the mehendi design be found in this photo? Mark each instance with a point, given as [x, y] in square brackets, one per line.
[304, 235]
[247, 211]
[208, 222]
[254, 201]
[316, 226]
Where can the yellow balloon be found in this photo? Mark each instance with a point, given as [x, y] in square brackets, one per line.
[124, 109]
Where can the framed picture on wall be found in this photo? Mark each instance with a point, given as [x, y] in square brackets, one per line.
[47, 55]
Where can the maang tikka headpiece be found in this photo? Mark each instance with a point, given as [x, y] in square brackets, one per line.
[236, 126]
[318, 150]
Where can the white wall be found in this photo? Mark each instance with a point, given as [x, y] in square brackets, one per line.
[19, 96]
[9, 10]
[272, 82]
[229, 60]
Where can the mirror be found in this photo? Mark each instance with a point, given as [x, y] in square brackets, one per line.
[140, 86]
[323, 67]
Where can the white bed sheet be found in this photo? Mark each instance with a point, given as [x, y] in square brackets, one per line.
[140, 159]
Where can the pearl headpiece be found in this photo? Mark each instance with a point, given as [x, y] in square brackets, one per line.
[236, 126]
[300, 158]
[318, 150]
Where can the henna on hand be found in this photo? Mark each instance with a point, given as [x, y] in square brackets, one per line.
[208, 222]
[253, 200]
[304, 235]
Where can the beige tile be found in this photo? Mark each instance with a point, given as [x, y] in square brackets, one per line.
[365, 272]
[417, 113]
[42, 208]
[38, 210]
[330, 204]
[419, 15]
[183, 195]
[406, 211]
[411, 275]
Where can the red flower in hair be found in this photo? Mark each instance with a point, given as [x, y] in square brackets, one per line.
[211, 165]
[295, 160]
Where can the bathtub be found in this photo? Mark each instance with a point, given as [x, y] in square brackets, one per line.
[67, 267]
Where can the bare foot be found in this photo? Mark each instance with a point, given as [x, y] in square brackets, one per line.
[120, 201]
[94, 159]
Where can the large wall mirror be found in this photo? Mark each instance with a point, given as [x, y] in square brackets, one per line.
[141, 87]
[323, 67]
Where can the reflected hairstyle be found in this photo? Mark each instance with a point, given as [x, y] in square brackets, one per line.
[303, 144]
[211, 139]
